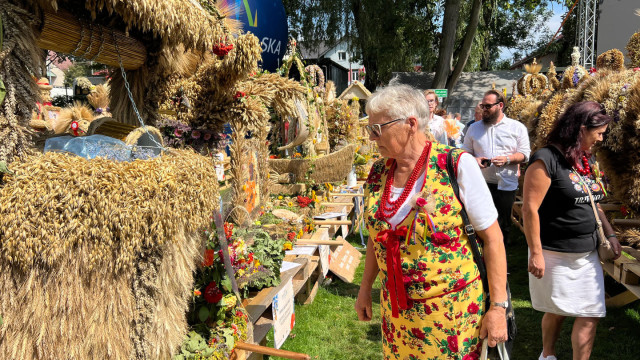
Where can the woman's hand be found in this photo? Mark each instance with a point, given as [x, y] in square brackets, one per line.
[494, 326]
[617, 248]
[536, 265]
[363, 304]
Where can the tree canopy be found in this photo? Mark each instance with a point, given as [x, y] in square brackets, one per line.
[445, 36]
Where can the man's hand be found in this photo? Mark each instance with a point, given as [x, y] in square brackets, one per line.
[536, 265]
[480, 160]
[494, 326]
[363, 304]
[499, 161]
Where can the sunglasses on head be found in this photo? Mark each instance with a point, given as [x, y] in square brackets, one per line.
[488, 106]
[376, 129]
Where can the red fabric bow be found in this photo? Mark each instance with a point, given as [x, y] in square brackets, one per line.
[395, 285]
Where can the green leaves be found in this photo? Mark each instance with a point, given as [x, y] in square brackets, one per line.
[203, 314]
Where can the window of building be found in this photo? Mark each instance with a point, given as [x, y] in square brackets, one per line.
[342, 55]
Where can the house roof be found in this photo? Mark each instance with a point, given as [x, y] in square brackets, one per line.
[315, 52]
[356, 89]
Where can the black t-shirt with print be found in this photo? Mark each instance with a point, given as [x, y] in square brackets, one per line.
[567, 222]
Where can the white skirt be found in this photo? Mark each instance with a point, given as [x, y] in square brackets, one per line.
[572, 285]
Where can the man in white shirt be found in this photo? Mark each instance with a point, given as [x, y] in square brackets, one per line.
[436, 123]
[499, 145]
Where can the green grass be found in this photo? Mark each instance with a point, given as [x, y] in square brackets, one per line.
[328, 328]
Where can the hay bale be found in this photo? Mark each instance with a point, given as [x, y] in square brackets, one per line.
[98, 260]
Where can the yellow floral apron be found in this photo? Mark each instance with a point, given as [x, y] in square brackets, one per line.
[432, 299]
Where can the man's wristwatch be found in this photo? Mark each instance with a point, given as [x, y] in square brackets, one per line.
[508, 160]
[503, 305]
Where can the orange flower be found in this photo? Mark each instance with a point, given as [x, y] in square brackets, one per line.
[196, 292]
[208, 258]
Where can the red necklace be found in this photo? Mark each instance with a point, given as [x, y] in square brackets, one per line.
[390, 208]
[585, 169]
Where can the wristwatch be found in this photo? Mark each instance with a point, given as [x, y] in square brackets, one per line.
[503, 305]
[508, 160]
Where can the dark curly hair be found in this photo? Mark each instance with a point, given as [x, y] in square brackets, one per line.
[566, 132]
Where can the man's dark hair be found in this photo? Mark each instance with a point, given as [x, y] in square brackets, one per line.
[498, 94]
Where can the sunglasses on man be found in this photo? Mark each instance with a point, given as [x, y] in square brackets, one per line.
[376, 129]
[488, 106]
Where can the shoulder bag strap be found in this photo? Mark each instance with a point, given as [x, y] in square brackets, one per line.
[593, 204]
[468, 228]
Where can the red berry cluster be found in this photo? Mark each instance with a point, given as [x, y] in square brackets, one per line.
[222, 49]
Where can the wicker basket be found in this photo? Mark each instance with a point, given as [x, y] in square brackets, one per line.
[329, 168]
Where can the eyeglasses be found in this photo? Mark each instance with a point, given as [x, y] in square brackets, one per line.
[431, 101]
[488, 106]
[376, 129]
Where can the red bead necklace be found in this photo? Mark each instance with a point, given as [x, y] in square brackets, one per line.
[585, 169]
[390, 208]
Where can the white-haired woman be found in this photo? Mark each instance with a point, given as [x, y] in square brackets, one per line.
[432, 298]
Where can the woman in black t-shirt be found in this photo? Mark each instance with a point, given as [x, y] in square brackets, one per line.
[566, 277]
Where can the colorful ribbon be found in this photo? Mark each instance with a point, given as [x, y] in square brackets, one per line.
[395, 284]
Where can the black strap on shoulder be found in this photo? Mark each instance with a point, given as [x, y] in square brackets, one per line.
[468, 228]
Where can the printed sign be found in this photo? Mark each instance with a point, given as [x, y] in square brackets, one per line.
[267, 20]
[284, 316]
[344, 261]
[441, 93]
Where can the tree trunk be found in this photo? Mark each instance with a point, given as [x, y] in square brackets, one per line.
[447, 43]
[467, 43]
[369, 60]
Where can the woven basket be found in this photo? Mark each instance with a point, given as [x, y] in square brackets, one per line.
[329, 168]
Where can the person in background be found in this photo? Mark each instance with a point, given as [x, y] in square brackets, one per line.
[436, 122]
[499, 144]
[566, 277]
[432, 299]
[477, 116]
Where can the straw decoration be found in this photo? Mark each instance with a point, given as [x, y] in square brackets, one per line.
[19, 58]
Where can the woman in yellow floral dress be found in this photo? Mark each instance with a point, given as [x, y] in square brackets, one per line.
[432, 299]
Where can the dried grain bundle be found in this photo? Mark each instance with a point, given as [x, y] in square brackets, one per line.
[134, 136]
[530, 112]
[96, 314]
[612, 59]
[573, 75]
[554, 83]
[239, 157]
[110, 209]
[19, 59]
[330, 92]
[275, 92]
[79, 113]
[633, 49]
[172, 21]
[547, 120]
[99, 98]
[630, 236]
[516, 105]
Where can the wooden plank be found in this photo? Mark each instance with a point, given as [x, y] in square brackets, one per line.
[631, 251]
[336, 203]
[257, 305]
[272, 352]
[610, 207]
[632, 293]
[319, 242]
[332, 222]
[260, 330]
[622, 299]
[347, 194]
[626, 222]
